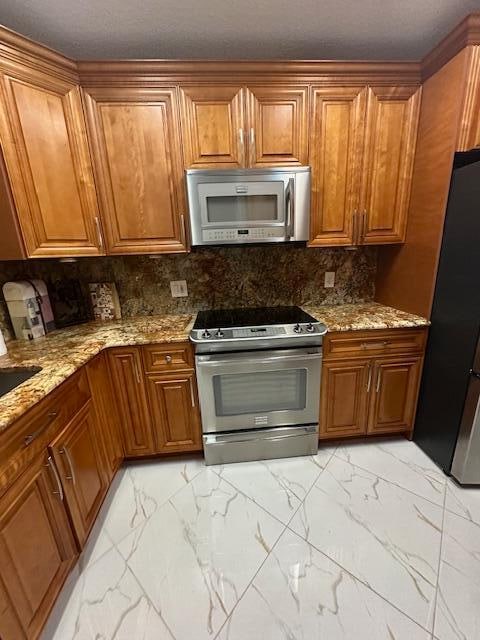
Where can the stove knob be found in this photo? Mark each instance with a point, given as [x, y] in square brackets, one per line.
[219, 333]
[206, 334]
[310, 327]
[297, 328]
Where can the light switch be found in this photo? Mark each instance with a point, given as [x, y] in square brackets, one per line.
[329, 279]
[179, 288]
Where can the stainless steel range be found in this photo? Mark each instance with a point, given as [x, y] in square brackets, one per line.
[258, 373]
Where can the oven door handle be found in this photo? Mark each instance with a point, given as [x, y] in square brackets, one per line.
[217, 363]
[290, 209]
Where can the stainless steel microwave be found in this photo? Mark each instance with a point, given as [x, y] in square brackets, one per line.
[239, 206]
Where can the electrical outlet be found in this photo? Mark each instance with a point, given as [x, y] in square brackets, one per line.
[179, 288]
[329, 279]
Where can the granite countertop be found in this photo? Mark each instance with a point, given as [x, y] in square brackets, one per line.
[63, 352]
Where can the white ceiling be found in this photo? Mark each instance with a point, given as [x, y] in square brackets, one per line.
[323, 29]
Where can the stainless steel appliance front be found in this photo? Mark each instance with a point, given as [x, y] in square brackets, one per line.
[259, 389]
[248, 205]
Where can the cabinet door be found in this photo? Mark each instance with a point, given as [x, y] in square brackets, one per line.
[43, 135]
[137, 154]
[394, 395]
[107, 413]
[37, 549]
[213, 126]
[176, 419]
[131, 396]
[344, 398]
[336, 153]
[277, 126]
[392, 118]
[80, 461]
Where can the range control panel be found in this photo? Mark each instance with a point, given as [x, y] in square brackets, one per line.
[254, 233]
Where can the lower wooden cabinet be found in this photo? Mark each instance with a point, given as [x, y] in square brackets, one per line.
[79, 458]
[394, 395]
[107, 414]
[37, 550]
[131, 396]
[344, 398]
[370, 394]
[176, 420]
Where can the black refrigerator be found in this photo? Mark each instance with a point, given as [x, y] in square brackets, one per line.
[447, 427]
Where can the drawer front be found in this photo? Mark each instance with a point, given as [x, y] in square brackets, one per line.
[32, 432]
[374, 343]
[168, 357]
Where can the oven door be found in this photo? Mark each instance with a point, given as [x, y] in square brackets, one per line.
[258, 389]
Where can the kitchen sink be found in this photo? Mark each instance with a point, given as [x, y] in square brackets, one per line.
[11, 378]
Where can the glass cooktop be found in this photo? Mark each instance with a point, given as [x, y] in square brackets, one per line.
[251, 317]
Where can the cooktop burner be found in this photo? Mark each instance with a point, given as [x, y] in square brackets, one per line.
[251, 317]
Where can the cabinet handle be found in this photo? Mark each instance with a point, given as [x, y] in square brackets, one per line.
[369, 381]
[99, 232]
[240, 137]
[354, 227]
[51, 465]
[32, 436]
[252, 136]
[192, 393]
[379, 377]
[183, 234]
[374, 345]
[363, 217]
[168, 359]
[66, 453]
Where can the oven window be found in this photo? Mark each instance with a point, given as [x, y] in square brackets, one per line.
[260, 392]
[254, 208]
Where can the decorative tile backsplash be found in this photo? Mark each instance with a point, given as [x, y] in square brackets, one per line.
[216, 277]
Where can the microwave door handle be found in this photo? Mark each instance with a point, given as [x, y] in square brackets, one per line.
[290, 208]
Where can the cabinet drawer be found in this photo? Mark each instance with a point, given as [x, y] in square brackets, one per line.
[168, 357]
[21, 442]
[373, 343]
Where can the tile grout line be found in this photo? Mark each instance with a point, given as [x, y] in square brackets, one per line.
[285, 527]
[435, 599]
[373, 473]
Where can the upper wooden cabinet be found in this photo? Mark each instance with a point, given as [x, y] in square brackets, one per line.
[277, 123]
[213, 126]
[232, 126]
[361, 154]
[137, 158]
[392, 118]
[337, 131]
[43, 136]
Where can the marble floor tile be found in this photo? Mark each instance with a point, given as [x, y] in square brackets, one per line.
[108, 602]
[399, 461]
[299, 594]
[279, 486]
[143, 487]
[464, 501]
[457, 615]
[384, 535]
[197, 553]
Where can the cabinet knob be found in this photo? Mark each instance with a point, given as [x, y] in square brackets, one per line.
[168, 359]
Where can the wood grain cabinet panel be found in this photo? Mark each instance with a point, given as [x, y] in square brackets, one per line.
[394, 395]
[344, 398]
[131, 396]
[213, 126]
[176, 420]
[43, 136]
[277, 125]
[392, 119]
[106, 410]
[136, 147]
[37, 550]
[79, 458]
[336, 150]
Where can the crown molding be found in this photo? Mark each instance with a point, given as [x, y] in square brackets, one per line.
[466, 33]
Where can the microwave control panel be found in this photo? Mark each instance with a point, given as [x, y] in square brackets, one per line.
[254, 233]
